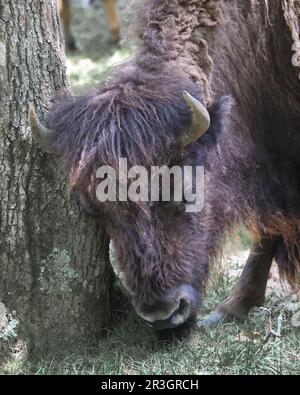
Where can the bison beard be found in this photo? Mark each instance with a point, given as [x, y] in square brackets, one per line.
[250, 153]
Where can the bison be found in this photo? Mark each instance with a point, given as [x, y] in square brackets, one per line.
[235, 58]
[65, 12]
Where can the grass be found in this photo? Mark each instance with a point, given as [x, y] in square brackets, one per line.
[132, 348]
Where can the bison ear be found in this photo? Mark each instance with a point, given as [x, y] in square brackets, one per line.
[219, 112]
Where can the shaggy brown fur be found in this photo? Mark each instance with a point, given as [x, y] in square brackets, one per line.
[267, 112]
[251, 152]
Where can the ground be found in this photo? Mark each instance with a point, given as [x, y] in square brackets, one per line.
[131, 347]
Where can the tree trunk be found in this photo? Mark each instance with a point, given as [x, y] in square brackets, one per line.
[54, 271]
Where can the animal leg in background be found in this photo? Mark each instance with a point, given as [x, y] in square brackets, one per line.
[251, 287]
[65, 12]
[113, 19]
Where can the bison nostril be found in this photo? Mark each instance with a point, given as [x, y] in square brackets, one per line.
[183, 306]
[182, 313]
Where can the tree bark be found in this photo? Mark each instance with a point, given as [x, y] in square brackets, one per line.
[54, 275]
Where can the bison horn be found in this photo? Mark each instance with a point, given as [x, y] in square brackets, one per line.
[43, 136]
[200, 120]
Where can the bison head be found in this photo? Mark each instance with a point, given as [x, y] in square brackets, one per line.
[151, 119]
